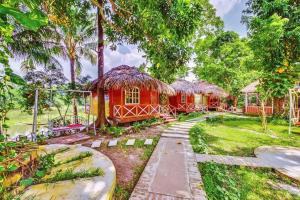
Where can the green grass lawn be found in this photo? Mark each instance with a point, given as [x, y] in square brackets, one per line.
[243, 183]
[240, 136]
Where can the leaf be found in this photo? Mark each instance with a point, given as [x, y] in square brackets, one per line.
[40, 173]
[2, 168]
[31, 20]
[12, 167]
[26, 182]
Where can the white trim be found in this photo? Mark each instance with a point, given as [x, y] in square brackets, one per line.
[139, 96]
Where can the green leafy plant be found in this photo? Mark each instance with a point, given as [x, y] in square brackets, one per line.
[115, 130]
[81, 156]
[218, 183]
[197, 140]
[215, 120]
[69, 174]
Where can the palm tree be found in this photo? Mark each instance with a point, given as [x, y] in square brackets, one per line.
[76, 43]
[72, 42]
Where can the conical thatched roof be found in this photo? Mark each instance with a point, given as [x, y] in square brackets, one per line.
[251, 88]
[127, 77]
[183, 86]
[208, 88]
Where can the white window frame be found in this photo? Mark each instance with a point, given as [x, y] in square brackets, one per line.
[183, 95]
[132, 92]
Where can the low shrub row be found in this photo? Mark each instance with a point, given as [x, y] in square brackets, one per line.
[117, 131]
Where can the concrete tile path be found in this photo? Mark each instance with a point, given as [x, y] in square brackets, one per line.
[233, 160]
[171, 172]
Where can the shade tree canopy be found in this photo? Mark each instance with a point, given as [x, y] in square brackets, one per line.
[164, 30]
[225, 60]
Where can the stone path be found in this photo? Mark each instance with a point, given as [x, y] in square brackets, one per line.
[233, 160]
[172, 171]
[285, 160]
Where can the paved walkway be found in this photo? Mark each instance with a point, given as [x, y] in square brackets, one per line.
[285, 160]
[233, 160]
[172, 171]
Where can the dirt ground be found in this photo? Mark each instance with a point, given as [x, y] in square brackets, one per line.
[128, 161]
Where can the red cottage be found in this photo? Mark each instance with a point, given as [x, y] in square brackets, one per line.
[211, 94]
[132, 95]
[184, 100]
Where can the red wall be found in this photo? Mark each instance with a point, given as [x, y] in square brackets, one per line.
[117, 97]
[175, 100]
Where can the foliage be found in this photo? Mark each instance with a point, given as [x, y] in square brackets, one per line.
[12, 156]
[164, 30]
[115, 130]
[225, 60]
[183, 117]
[69, 174]
[219, 183]
[139, 125]
[11, 13]
[275, 40]
[197, 139]
[219, 119]
[229, 182]
[7, 82]
[80, 156]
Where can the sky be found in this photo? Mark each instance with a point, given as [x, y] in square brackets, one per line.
[229, 10]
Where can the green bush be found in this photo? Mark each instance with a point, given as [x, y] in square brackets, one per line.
[115, 130]
[219, 184]
[215, 120]
[279, 121]
[197, 139]
[137, 126]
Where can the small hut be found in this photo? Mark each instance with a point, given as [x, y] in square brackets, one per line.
[184, 100]
[210, 95]
[252, 103]
[132, 95]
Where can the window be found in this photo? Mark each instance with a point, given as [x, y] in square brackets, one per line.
[183, 98]
[132, 96]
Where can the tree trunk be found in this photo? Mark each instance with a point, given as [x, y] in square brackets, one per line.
[235, 101]
[100, 90]
[73, 87]
[278, 106]
[264, 122]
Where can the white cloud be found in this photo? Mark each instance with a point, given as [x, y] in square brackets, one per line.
[224, 6]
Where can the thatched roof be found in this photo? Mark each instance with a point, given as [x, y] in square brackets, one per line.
[128, 77]
[251, 88]
[208, 88]
[183, 86]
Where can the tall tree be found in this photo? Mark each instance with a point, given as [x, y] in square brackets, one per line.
[11, 14]
[163, 29]
[70, 35]
[225, 60]
[274, 30]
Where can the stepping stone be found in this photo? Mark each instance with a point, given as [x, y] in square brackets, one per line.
[148, 142]
[130, 142]
[96, 144]
[113, 143]
[174, 135]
